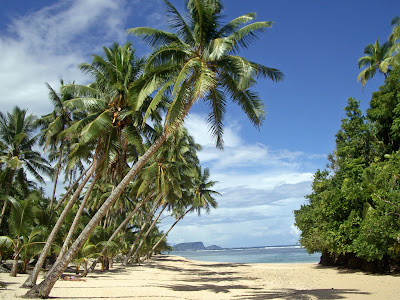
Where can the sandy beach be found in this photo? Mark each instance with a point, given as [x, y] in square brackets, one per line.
[173, 277]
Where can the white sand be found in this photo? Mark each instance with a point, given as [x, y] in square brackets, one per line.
[172, 277]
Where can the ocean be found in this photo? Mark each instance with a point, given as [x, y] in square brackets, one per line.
[275, 254]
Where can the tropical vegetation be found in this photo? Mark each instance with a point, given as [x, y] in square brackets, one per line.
[120, 146]
[381, 57]
[353, 213]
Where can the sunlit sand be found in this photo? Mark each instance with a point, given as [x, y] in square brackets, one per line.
[173, 277]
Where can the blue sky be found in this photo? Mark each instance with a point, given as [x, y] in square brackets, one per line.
[263, 175]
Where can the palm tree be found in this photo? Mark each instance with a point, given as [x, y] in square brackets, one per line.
[196, 63]
[52, 125]
[31, 280]
[394, 39]
[148, 216]
[376, 59]
[17, 141]
[202, 199]
[118, 230]
[107, 125]
[23, 232]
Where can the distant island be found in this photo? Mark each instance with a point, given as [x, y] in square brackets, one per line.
[195, 246]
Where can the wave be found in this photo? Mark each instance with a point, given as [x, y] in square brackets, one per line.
[283, 247]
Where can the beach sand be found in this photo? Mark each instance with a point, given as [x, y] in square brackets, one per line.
[173, 277]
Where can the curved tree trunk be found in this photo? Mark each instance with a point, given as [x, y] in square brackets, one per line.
[56, 178]
[165, 234]
[44, 288]
[136, 254]
[122, 225]
[31, 281]
[76, 220]
[14, 269]
[71, 186]
[155, 206]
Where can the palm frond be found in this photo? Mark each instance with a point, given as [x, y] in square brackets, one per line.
[178, 23]
[245, 35]
[97, 127]
[217, 104]
[231, 26]
[154, 37]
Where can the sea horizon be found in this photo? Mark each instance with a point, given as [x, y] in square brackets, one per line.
[258, 254]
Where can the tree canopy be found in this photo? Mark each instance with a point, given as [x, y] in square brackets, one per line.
[353, 214]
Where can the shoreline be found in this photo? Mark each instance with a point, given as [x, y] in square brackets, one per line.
[174, 277]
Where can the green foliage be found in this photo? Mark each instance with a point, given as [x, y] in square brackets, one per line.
[354, 208]
[381, 57]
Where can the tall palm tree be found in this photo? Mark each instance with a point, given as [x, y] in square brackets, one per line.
[110, 119]
[52, 125]
[17, 140]
[376, 59]
[198, 62]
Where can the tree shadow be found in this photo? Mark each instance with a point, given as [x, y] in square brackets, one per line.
[294, 294]
[222, 265]
[344, 270]
[208, 287]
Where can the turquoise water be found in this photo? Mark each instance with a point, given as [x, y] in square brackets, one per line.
[278, 254]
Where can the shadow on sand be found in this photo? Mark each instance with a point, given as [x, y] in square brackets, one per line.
[293, 294]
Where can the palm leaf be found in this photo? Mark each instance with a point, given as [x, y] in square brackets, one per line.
[154, 37]
[245, 35]
[97, 127]
[230, 27]
[178, 23]
[216, 102]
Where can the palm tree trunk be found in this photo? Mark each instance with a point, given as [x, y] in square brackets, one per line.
[44, 288]
[122, 225]
[31, 281]
[3, 211]
[14, 269]
[155, 206]
[56, 178]
[71, 186]
[76, 220]
[135, 255]
[165, 234]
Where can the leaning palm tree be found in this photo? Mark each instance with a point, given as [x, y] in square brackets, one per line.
[197, 62]
[376, 59]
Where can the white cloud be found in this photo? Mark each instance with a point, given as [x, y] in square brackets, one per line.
[48, 44]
